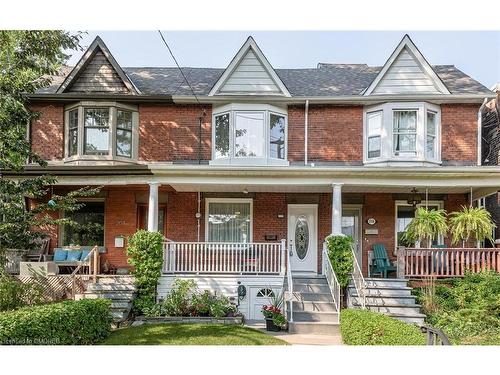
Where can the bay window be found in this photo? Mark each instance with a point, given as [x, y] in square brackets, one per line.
[101, 131]
[249, 134]
[402, 132]
[229, 220]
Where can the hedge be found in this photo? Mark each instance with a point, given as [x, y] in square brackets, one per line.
[81, 322]
[362, 327]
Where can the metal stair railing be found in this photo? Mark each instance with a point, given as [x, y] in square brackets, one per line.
[332, 280]
[358, 280]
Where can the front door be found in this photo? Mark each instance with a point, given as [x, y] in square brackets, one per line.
[302, 237]
[351, 218]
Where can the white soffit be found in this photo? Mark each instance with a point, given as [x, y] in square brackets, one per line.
[406, 72]
[249, 73]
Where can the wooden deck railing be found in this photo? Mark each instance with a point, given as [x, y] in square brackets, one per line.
[87, 271]
[224, 257]
[446, 262]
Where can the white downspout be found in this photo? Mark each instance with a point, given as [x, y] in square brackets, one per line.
[480, 133]
[198, 216]
[306, 125]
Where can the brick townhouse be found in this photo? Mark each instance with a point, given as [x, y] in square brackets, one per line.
[238, 159]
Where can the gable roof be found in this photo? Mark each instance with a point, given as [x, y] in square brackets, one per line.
[406, 71]
[97, 71]
[249, 73]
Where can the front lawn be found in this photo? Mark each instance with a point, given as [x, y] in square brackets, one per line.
[190, 334]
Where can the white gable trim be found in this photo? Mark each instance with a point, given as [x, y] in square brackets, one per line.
[406, 42]
[249, 45]
[96, 45]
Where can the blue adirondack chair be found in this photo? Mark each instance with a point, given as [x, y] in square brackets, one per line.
[380, 262]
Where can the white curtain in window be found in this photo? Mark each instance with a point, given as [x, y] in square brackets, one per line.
[229, 222]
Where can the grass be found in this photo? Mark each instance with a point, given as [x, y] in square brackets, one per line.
[190, 334]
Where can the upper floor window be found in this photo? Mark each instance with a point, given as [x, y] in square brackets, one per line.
[105, 131]
[249, 134]
[402, 132]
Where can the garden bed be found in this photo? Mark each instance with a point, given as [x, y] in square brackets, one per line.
[236, 320]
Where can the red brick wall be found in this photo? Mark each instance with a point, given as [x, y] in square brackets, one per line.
[181, 220]
[47, 132]
[335, 134]
[171, 132]
[459, 133]
[266, 207]
[296, 116]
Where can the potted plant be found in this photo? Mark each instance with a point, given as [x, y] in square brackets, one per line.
[426, 226]
[471, 223]
[275, 320]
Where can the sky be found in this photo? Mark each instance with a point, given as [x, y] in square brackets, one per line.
[476, 53]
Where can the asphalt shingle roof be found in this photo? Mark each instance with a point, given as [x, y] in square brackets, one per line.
[325, 80]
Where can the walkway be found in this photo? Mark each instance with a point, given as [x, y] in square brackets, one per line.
[295, 338]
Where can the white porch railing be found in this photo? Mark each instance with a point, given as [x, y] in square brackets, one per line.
[224, 257]
[358, 280]
[331, 278]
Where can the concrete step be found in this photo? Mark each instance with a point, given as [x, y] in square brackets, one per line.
[121, 304]
[386, 291]
[381, 300]
[122, 295]
[308, 316]
[316, 328]
[311, 288]
[111, 287]
[116, 280]
[119, 315]
[313, 306]
[386, 282]
[412, 319]
[394, 309]
[306, 296]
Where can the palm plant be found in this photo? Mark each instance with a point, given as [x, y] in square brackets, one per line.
[471, 223]
[426, 226]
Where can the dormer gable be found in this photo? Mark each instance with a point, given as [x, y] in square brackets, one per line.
[406, 72]
[249, 73]
[97, 72]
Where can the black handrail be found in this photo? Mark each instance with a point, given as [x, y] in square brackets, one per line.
[435, 336]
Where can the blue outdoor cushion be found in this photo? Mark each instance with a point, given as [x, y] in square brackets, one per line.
[74, 255]
[85, 254]
[60, 255]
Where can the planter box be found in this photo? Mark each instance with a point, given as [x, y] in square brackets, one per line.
[270, 326]
[187, 319]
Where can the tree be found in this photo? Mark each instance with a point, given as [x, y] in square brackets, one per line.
[28, 60]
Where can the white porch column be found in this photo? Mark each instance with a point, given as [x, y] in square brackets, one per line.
[153, 207]
[337, 209]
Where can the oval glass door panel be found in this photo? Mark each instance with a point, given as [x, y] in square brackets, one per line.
[301, 237]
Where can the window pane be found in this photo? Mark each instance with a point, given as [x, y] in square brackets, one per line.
[405, 215]
[222, 135]
[374, 147]
[90, 226]
[249, 134]
[96, 141]
[124, 143]
[405, 143]
[431, 146]
[96, 131]
[374, 120]
[431, 123]
[277, 136]
[229, 222]
[73, 141]
[73, 119]
[404, 121]
[124, 120]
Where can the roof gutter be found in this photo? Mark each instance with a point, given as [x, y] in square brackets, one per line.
[71, 97]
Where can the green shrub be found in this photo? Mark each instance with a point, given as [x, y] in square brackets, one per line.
[340, 254]
[362, 327]
[467, 307]
[186, 300]
[81, 322]
[15, 294]
[145, 254]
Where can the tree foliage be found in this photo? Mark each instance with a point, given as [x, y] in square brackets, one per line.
[28, 61]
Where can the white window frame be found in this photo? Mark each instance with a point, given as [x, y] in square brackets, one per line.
[232, 110]
[111, 156]
[399, 203]
[228, 200]
[387, 155]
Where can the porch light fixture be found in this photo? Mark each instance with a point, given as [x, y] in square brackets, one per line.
[245, 191]
[414, 198]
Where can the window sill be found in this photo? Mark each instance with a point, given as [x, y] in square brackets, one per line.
[95, 158]
[249, 162]
[400, 162]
